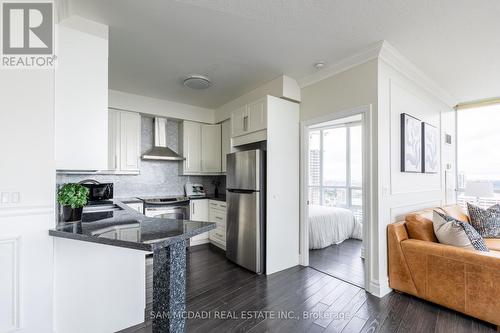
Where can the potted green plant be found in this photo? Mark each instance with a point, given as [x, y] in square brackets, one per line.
[72, 198]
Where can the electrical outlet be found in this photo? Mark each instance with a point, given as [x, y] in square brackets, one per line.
[15, 197]
[5, 197]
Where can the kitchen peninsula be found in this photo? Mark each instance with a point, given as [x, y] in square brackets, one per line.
[113, 230]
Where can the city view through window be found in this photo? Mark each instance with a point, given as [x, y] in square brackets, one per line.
[335, 167]
[478, 157]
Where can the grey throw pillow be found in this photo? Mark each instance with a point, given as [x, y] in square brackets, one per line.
[485, 221]
[451, 231]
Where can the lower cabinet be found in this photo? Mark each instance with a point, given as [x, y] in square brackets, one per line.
[198, 211]
[209, 211]
[217, 215]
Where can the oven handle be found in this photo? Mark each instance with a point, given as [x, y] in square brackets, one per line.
[167, 209]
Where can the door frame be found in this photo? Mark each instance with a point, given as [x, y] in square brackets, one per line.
[365, 112]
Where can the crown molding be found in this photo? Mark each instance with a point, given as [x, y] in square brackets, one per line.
[398, 61]
[383, 51]
[370, 53]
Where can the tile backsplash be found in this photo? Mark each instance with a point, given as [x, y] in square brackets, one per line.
[156, 178]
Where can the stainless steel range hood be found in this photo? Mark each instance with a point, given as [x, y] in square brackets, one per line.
[160, 151]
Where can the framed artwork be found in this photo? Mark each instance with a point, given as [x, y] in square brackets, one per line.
[430, 148]
[411, 144]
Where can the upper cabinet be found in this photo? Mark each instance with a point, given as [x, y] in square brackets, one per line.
[201, 148]
[81, 99]
[124, 141]
[225, 143]
[257, 116]
[211, 148]
[249, 118]
[191, 147]
[239, 121]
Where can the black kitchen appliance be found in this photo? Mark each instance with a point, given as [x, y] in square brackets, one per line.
[98, 192]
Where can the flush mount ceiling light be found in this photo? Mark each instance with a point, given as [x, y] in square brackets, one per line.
[197, 81]
[319, 65]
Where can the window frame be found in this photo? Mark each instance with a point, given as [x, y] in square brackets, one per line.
[348, 187]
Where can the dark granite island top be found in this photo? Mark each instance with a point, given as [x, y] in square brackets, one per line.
[119, 225]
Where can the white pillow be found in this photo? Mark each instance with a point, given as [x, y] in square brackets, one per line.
[450, 233]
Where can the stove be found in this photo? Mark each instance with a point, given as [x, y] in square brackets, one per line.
[164, 200]
[175, 207]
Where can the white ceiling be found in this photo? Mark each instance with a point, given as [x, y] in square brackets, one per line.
[241, 44]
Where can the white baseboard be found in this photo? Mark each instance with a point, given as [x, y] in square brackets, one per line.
[379, 289]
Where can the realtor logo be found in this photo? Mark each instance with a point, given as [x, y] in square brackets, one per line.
[27, 29]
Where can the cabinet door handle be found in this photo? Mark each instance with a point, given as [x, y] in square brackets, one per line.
[116, 161]
[218, 218]
[245, 123]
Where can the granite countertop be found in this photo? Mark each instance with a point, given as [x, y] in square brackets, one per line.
[125, 227]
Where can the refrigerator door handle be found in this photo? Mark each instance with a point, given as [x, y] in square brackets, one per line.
[241, 191]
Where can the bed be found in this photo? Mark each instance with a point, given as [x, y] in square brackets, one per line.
[331, 225]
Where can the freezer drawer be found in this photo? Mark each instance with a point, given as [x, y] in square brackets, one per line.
[244, 230]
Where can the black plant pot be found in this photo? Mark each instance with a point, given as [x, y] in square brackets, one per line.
[71, 214]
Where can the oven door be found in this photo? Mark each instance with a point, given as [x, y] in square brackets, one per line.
[174, 212]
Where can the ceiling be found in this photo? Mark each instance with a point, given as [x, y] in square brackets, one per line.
[241, 44]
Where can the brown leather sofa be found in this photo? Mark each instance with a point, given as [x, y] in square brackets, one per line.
[464, 280]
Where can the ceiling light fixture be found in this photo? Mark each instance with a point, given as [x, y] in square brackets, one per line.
[197, 81]
[319, 65]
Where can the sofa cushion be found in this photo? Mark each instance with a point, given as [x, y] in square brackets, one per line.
[493, 243]
[453, 232]
[419, 226]
[485, 221]
[456, 212]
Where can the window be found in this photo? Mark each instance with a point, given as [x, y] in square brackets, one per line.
[335, 167]
[477, 157]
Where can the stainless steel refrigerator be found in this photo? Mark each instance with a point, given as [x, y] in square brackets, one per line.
[245, 234]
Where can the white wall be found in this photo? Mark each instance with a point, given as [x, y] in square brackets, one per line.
[26, 167]
[402, 91]
[351, 88]
[390, 93]
[159, 107]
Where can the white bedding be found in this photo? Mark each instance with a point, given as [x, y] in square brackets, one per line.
[331, 225]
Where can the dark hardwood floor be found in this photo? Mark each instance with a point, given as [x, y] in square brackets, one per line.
[342, 261]
[316, 302]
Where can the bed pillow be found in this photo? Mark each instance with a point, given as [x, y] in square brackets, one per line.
[453, 232]
[485, 221]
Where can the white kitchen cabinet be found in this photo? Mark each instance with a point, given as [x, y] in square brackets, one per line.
[239, 121]
[249, 118]
[130, 140]
[217, 215]
[124, 141]
[199, 212]
[257, 116]
[225, 143]
[211, 148]
[81, 100]
[191, 147]
[201, 148]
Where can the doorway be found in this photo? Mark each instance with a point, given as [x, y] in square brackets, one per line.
[335, 195]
